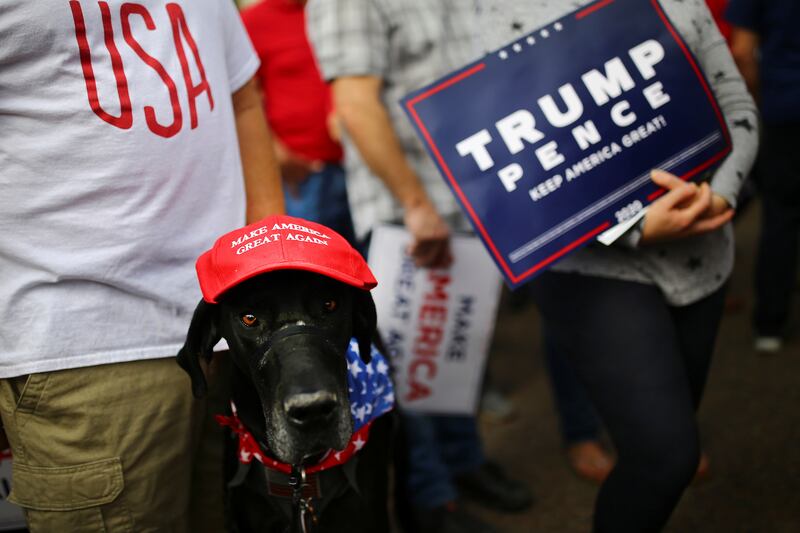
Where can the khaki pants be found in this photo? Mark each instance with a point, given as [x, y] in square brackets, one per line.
[113, 448]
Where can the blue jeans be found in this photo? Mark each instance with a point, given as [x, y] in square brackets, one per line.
[439, 448]
[322, 198]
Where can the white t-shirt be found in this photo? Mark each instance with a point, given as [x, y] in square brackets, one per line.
[112, 186]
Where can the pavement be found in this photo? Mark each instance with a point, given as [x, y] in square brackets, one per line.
[749, 419]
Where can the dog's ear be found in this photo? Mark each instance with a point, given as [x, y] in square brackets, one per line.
[365, 321]
[203, 335]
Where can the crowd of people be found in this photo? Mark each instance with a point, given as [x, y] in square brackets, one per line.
[133, 136]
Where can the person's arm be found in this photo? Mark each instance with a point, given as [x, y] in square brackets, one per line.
[363, 115]
[744, 45]
[683, 211]
[686, 209]
[261, 176]
[294, 168]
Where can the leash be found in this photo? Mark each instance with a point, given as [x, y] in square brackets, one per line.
[302, 508]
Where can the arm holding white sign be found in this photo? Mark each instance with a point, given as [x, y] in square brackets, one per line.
[364, 116]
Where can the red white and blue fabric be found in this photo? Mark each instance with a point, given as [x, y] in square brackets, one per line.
[371, 395]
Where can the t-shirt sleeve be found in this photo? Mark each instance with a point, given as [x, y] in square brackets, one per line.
[349, 37]
[745, 13]
[240, 57]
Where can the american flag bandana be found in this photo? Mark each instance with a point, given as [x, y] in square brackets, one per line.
[371, 395]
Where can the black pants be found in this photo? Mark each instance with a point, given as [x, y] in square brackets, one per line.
[644, 365]
[776, 269]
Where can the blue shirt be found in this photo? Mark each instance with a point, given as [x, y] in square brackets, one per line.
[776, 23]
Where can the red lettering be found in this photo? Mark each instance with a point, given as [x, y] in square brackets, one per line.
[439, 281]
[149, 111]
[432, 319]
[125, 119]
[419, 390]
[429, 337]
[434, 313]
[179, 26]
[430, 365]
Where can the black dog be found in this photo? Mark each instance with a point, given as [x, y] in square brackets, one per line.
[288, 332]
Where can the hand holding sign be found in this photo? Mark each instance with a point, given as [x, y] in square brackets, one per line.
[686, 210]
[436, 323]
[430, 247]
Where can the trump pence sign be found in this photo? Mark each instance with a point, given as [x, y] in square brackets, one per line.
[550, 141]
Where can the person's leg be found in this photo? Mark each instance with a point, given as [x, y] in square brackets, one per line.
[429, 484]
[776, 265]
[576, 414]
[460, 443]
[624, 346]
[104, 448]
[580, 427]
[697, 326]
[428, 479]
[475, 476]
[207, 496]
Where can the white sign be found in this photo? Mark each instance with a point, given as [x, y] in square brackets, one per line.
[436, 323]
[11, 517]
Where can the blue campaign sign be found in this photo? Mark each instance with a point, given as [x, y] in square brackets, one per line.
[550, 141]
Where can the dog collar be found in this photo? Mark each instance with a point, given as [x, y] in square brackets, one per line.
[371, 395]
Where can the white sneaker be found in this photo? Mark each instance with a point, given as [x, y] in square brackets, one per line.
[496, 406]
[768, 344]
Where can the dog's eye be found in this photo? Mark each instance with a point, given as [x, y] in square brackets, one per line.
[330, 305]
[249, 320]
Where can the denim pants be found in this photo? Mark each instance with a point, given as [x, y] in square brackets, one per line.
[439, 448]
[322, 198]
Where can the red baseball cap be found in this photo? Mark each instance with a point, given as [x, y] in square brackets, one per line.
[280, 242]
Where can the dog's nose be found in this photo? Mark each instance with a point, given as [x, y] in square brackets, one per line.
[310, 407]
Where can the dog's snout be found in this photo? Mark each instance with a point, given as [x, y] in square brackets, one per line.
[310, 407]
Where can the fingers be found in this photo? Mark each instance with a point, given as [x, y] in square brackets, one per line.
[665, 179]
[445, 258]
[430, 247]
[700, 205]
[718, 206]
[706, 225]
[431, 253]
[681, 194]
